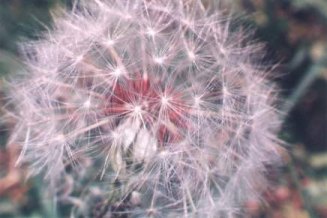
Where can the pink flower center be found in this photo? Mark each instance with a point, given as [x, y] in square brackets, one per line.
[161, 110]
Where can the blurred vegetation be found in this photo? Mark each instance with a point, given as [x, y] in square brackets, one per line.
[19, 20]
[295, 34]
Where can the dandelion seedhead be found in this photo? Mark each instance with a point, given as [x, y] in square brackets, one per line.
[147, 108]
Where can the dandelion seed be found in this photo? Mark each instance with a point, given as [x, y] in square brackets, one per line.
[110, 42]
[117, 72]
[191, 55]
[159, 60]
[159, 105]
[151, 32]
[87, 104]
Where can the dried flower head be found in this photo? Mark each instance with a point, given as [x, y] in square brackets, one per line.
[159, 104]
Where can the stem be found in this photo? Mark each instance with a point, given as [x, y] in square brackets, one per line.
[305, 83]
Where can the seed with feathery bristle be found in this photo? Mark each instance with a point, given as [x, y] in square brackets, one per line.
[161, 101]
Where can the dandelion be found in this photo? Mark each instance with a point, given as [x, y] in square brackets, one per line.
[159, 105]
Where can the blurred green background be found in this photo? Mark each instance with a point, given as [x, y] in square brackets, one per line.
[295, 35]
